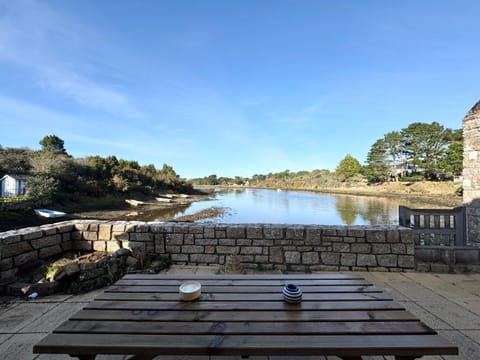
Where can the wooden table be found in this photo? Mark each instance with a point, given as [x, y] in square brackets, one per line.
[341, 314]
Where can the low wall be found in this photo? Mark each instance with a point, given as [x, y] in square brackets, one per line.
[302, 248]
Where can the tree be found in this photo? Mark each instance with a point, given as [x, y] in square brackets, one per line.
[394, 149]
[425, 145]
[377, 168]
[53, 144]
[348, 167]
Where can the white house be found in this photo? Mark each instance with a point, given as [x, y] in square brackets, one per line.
[13, 185]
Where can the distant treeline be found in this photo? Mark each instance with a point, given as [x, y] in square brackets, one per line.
[54, 174]
[418, 152]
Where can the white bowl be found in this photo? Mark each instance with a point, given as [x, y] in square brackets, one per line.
[190, 290]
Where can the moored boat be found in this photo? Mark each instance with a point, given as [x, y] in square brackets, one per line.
[49, 213]
[134, 202]
[162, 199]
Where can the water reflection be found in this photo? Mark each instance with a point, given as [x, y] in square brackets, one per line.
[291, 207]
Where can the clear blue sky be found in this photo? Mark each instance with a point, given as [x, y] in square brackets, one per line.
[233, 87]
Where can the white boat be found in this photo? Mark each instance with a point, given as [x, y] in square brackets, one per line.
[49, 213]
[134, 202]
[161, 199]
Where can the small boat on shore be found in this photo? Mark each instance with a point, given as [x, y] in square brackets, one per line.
[165, 200]
[49, 213]
[134, 202]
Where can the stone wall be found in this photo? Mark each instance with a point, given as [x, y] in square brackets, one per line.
[471, 173]
[302, 248]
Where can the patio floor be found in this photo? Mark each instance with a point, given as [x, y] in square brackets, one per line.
[449, 303]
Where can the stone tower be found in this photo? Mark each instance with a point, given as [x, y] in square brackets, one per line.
[471, 173]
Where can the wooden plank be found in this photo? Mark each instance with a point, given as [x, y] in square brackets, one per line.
[322, 276]
[263, 283]
[267, 328]
[119, 296]
[232, 306]
[244, 289]
[243, 316]
[288, 345]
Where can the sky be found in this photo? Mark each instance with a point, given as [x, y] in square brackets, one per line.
[230, 87]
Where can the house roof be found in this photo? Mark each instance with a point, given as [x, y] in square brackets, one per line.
[14, 176]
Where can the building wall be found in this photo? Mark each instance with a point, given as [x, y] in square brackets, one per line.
[471, 173]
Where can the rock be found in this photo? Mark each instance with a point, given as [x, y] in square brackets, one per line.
[121, 252]
[131, 261]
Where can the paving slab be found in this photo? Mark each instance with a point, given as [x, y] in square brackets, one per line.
[54, 318]
[435, 322]
[468, 349]
[16, 318]
[473, 334]
[456, 316]
[19, 347]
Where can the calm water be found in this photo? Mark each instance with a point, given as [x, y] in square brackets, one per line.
[295, 207]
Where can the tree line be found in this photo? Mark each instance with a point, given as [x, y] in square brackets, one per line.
[54, 174]
[421, 151]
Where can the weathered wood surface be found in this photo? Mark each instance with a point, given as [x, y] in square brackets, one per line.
[340, 314]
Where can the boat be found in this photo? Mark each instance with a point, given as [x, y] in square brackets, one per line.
[185, 196]
[168, 196]
[162, 199]
[49, 213]
[134, 202]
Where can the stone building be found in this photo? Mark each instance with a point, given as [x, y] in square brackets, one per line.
[471, 173]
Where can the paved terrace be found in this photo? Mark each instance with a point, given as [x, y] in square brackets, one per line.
[449, 303]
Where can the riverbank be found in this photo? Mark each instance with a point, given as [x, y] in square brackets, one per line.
[438, 194]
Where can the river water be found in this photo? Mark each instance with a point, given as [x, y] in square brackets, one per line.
[298, 207]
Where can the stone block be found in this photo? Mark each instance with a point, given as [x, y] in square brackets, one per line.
[406, 236]
[105, 232]
[121, 236]
[393, 236]
[142, 228]
[324, 267]
[204, 259]
[46, 241]
[209, 249]
[209, 241]
[381, 249]
[295, 232]
[93, 227]
[179, 257]
[329, 231]
[209, 232]
[276, 255]
[254, 232]
[231, 250]
[387, 260]
[195, 229]
[118, 227]
[263, 242]
[113, 245]
[251, 250]
[66, 237]
[273, 232]
[244, 242]
[189, 239]
[313, 236]
[8, 275]
[192, 249]
[227, 242]
[100, 245]
[90, 235]
[81, 226]
[82, 245]
[159, 244]
[28, 258]
[49, 229]
[76, 235]
[66, 246]
[357, 233]
[341, 247]
[236, 232]
[33, 235]
[180, 228]
[398, 249]
[172, 249]
[16, 249]
[406, 261]
[50, 251]
[174, 239]
[330, 258]
[376, 236]
[361, 248]
[261, 259]
[348, 259]
[245, 258]
[332, 239]
[366, 260]
[309, 258]
[220, 234]
[6, 264]
[144, 237]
